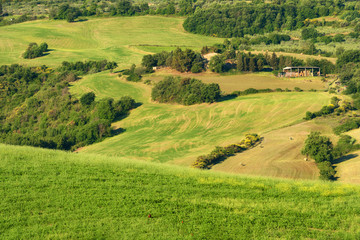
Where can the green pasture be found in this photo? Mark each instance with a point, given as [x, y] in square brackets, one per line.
[117, 39]
[176, 133]
[107, 84]
[48, 194]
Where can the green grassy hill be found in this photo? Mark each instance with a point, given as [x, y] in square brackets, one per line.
[116, 39]
[178, 134]
[49, 194]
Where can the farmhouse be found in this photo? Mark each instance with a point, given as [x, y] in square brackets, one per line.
[300, 72]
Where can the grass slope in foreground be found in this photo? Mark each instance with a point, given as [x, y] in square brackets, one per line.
[114, 39]
[52, 194]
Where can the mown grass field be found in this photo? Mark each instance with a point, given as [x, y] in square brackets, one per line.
[106, 84]
[241, 82]
[178, 134]
[56, 195]
[114, 39]
[279, 155]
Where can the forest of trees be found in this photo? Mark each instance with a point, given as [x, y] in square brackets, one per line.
[37, 109]
[183, 61]
[244, 18]
[349, 74]
[185, 91]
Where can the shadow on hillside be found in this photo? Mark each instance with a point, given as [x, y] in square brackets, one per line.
[340, 160]
[115, 132]
[121, 117]
[227, 97]
[345, 158]
[82, 20]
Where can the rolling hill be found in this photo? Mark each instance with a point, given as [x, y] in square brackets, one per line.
[117, 39]
[178, 134]
[58, 195]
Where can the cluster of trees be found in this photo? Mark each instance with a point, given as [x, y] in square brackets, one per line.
[349, 74]
[20, 19]
[348, 125]
[34, 50]
[254, 91]
[333, 107]
[321, 149]
[37, 109]
[127, 8]
[182, 60]
[345, 145]
[122, 8]
[243, 18]
[69, 13]
[315, 36]
[87, 66]
[243, 43]
[249, 62]
[221, 153]
[185, 91]
[349, 56]
[133, 74]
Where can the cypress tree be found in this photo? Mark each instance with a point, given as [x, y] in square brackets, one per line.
[240, 63]
[252, 65]
[260, 64]
[274, 61]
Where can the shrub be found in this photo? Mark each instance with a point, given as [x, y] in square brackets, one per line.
[345, 145]
[308, 33]
[87, 99]
[134, 77]
[347, 126]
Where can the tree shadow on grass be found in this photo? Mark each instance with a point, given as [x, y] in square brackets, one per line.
[81, 20]
[122, 116]
[115, 132]
[345, 158]
[340, 160]
[219, 160]
[227, 97]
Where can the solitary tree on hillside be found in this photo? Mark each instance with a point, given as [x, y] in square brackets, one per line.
[318, 147]
[87, 98]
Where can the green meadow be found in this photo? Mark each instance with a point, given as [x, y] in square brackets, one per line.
[178, 134]
[47, 194]
[120, 39]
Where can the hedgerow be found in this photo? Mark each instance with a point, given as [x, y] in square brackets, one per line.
[221, 153]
